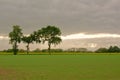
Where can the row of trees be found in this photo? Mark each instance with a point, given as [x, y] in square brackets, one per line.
[49, 34]
[111, 49]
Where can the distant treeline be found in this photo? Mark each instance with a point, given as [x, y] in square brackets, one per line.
[111, 49]
[36, 50]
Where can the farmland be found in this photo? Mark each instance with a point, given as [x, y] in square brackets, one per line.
[60, 67]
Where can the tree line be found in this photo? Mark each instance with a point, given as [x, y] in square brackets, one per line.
[49, 34]
[111, 49]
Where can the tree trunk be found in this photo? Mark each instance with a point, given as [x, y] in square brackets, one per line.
[15, 50]
[49, 48]
[28, 48]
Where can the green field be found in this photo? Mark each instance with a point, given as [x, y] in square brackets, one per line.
[60, 67]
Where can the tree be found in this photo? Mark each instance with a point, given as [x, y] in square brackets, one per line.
[116, 49]
[15, 38]
[36, 50]
[51, 34]
[28, 40]
[113, 49]
[36, 36]
[101, 50]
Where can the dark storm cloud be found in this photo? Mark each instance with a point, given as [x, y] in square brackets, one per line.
[72, 16]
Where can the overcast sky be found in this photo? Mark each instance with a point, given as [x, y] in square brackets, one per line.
[71, 16]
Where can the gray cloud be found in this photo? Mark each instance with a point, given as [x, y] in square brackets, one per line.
[72, 16]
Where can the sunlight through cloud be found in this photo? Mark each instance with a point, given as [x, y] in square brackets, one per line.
[81, 36]
[90, 36]
[4, 37]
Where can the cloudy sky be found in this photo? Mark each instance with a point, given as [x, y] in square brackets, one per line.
[84, 23]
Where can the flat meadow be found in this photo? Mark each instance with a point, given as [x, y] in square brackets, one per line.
[60, 67]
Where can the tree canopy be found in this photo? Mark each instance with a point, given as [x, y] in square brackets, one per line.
[28, 40]
[51, 35]
[15, 37]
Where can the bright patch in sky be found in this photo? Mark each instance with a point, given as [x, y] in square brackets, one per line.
[92, 45]
[3, 37]
[90, 36]
[82, 36]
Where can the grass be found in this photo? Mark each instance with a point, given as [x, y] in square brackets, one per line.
[60, 67]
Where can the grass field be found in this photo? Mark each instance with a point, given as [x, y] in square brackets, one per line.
[60, 67]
